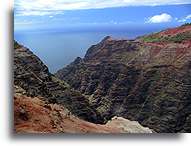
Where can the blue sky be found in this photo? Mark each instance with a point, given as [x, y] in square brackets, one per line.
[64, 14]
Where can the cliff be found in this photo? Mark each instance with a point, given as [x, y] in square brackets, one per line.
[32, 75]
[46, 104]
[147, 79]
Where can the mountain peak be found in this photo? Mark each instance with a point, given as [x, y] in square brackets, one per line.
[107, 38]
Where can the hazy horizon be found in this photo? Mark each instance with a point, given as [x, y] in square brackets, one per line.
[59, 31]
[58, 48]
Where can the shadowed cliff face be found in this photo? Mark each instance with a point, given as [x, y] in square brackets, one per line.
[45, 104]
[33, 76]
[147, 79]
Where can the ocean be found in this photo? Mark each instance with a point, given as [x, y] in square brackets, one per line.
[58, 48]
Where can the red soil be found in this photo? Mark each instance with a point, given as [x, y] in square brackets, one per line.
[32, 115]
[176, 31]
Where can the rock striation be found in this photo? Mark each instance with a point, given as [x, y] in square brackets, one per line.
[146, 80]
[32, 75]
[45, 104]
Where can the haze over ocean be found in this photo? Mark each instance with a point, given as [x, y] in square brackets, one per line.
[58, 49]
[60, 35]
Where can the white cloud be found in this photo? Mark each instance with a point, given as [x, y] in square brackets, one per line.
[182, 20]
[161, 18]
[47, 7]
[188, 17]
[24, 22]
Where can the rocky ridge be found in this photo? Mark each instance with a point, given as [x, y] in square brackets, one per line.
[45, 104]
[146, 80]
[32, 75]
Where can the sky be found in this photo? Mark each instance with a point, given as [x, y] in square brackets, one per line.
[78, 14]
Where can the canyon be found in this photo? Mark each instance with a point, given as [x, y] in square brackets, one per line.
[147, 79]
[45, 104]
[120, 86]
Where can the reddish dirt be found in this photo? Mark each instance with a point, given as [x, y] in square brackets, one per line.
[181, 49]
[187, 44]
[155, 44]
[32, 115]
[156, 47]
[176, 31]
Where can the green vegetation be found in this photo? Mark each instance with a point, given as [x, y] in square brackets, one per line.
[176, 39]
[16, 45]
[180, 37]
[62, 83]
[152, 38]
[186, 24]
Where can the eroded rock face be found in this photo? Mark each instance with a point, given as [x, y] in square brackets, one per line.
[146, 80]
[33, 76]
[45, 104]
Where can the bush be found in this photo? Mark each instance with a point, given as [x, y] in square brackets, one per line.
[176, 39]
[186, 24]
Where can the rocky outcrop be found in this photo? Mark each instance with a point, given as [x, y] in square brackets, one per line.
[146, 80]
[128, 126]
[33, 115]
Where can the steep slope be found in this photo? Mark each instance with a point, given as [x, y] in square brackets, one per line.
[45, 104]
[147, 79]
[32, 115]
[32, 75]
